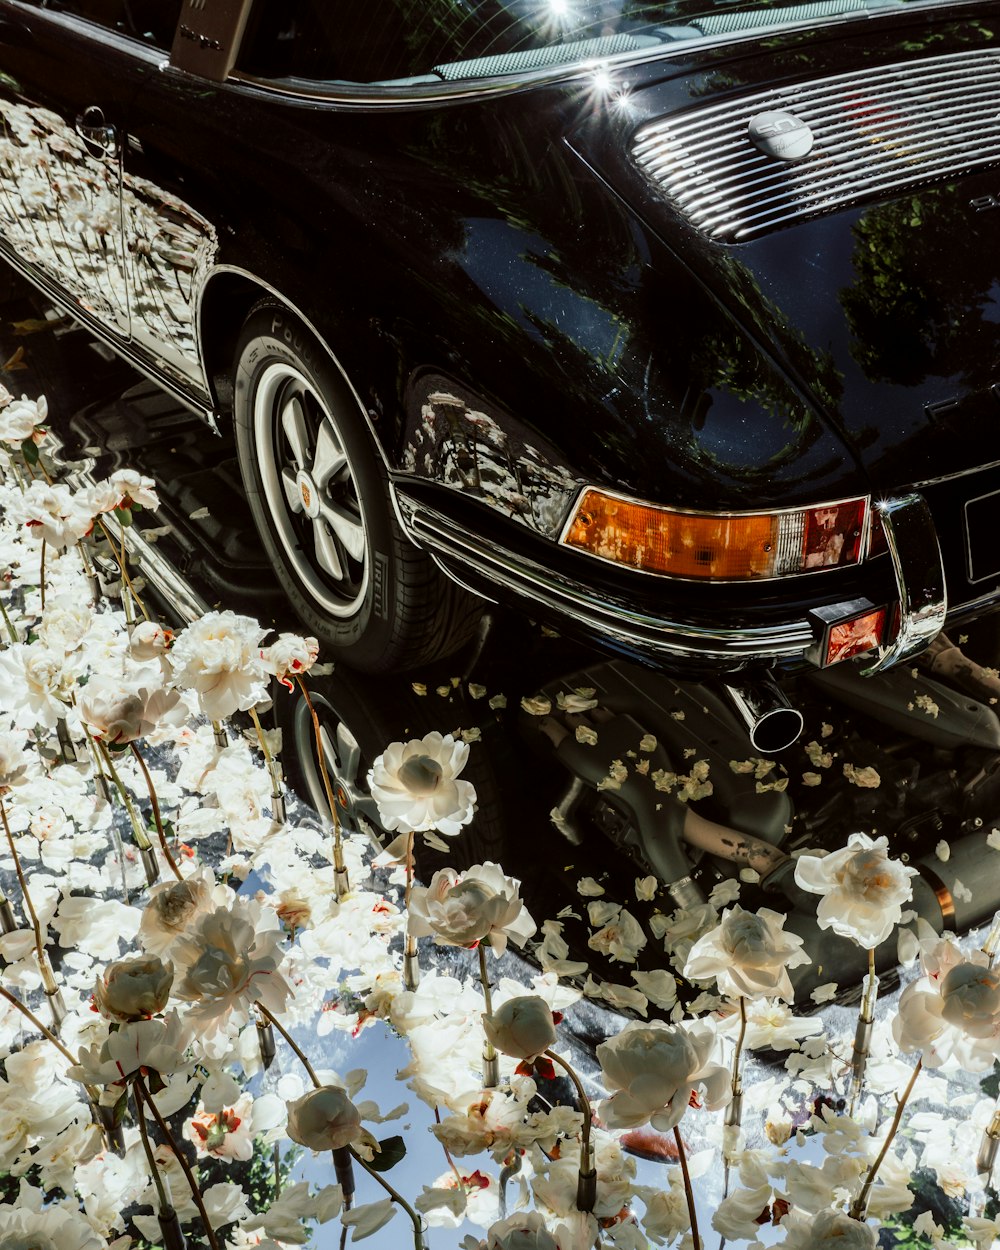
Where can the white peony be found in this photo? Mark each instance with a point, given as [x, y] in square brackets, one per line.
[54, 514]
[20, 418]
[52, 1228]
[415, 785]
[218, 657]
[863, 889]
[525, 1230]
[290, 655]
[158, 1045]
[173, 908]
[326, 1119]
[225, 964]
[134, 488]
[953, 1010]
[478, 905]
[117, 715]
[748, 955]
[654, 1069]
[149, 641]
[522, 1028]
[133, 989]
[831, 1229]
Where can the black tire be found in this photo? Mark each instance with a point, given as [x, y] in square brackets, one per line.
[319, 494]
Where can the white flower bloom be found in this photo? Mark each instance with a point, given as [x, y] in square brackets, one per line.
[133, 989]
[53, 1228]
[863, 889]
[54, 515]
[149, 641]
[736, 1216]
[326, 1119]
[37, 684]
[20, 418]
[290, 655]
[831, 1229]
[523, 1027]
[119, 715]
[748, 955]
[225, 965]
[135, 488]
[525, 1230]
[416, 787]
[173, 908]
[953, 1010]
[653, 1070]
[14, 759]
[218, 657]
[158, 1044]
[63, 627]
[461, 909]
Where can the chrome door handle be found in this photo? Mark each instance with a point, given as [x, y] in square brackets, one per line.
[101, 139]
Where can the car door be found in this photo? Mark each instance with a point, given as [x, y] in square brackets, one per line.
[63, 97]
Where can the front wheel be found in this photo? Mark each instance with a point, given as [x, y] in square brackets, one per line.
[319, 494]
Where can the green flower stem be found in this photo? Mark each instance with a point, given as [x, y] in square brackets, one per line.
[142, 840]
[123, 570]
[299, 1053]
[48, 980]
[418, 1227]
[272, 769]
[154, 1172]
[862, 1036]
[489, 1054]
[164, 1128]
[11, 631]
[688, 1191]
[154, 803]
[338, 848]
[588, 1178]
[860, 1204]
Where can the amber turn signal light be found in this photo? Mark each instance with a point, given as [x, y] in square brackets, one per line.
[717, 546]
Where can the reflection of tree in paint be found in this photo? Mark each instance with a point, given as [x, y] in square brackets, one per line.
[914, 311]
[62, 210]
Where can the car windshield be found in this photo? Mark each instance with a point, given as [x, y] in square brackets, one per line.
[454, 40]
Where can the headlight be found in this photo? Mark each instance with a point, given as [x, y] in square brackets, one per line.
[718, 546]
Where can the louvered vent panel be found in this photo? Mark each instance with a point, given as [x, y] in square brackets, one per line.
[876, 131]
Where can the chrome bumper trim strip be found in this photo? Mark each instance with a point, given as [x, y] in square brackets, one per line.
[444, 538]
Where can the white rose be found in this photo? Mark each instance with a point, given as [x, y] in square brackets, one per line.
[522, 1028]
[478, 905]
[748, 954]
[654, 1068]
[133, 989]
[326, 1119]
[218, 657]
[523, 1231]
[415, 785]
[863, 889]
[290, 655]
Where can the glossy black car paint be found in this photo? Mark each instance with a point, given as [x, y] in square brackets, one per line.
[499, 247]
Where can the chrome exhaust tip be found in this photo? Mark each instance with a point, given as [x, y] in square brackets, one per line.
[770, 720]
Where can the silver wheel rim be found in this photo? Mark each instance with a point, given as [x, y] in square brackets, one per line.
[310, 490]
[345, 768]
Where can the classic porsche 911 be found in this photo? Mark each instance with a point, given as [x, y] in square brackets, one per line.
[676, 323]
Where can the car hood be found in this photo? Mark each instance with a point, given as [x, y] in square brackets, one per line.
[868, 267]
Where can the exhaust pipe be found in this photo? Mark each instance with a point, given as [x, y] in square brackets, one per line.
[771, 721]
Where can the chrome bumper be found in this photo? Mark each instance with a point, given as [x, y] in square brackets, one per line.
[912, 542]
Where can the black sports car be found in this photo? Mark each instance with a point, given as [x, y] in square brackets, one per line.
[676, 323]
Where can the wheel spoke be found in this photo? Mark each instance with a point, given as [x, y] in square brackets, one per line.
[291, 489]
[349, 753]
[293, 422]
[329, 460]
[327, 555]
[346, 525]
